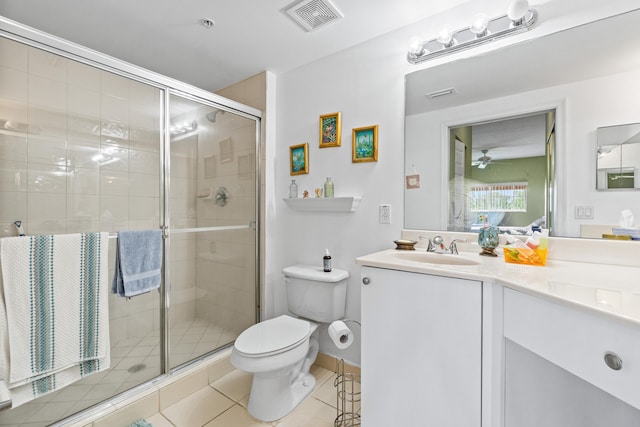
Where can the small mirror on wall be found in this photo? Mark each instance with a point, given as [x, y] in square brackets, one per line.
[618, 157]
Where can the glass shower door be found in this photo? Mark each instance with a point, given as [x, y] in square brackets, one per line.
[212, 216]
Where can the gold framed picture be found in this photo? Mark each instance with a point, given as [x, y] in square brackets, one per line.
[330, 130]
[299, 159]
[364, 144]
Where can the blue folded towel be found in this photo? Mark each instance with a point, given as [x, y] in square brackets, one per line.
[141, 423]
[138, 262]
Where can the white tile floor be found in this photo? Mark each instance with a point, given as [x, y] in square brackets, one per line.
[190, 339]
[223, 404]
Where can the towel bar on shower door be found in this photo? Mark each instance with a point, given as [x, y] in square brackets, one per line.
[203, 229]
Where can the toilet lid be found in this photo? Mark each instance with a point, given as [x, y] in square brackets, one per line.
[272, 335]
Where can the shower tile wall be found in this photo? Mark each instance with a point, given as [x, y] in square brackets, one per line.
[183, 215]
[79, 151]
[214, 299]
[226, 263]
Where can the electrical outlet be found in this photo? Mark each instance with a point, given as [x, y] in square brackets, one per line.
[384, 214]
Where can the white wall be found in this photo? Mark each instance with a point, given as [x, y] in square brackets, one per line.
[365, 83]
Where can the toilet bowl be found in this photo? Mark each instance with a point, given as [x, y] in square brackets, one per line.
[279, 352]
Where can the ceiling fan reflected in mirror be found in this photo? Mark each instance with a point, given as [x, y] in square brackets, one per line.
[483, 161]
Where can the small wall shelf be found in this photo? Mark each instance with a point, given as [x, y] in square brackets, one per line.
[321, 204]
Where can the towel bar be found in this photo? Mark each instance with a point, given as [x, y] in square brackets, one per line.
[203, 229]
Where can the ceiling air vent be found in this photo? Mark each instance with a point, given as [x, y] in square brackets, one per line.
[313, 14]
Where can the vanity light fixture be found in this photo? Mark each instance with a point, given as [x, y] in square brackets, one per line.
[519, 18]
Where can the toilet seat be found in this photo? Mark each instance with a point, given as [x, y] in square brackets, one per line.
[272, 336]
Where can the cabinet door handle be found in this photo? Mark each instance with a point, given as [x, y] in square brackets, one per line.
[366, 280]
[613, 360]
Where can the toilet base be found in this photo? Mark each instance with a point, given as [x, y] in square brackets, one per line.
[277, 396]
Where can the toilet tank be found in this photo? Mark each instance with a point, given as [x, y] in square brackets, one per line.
[315, 294]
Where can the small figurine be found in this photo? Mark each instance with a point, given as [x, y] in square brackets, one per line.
[318, 192]
[305, 194]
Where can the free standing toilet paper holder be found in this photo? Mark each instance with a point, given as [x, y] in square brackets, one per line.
[347, 394]
[347, 397]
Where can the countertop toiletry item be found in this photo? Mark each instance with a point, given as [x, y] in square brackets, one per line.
[328, 188]
[293, 189]
[534, 241]
[531, 252]
[326, 261]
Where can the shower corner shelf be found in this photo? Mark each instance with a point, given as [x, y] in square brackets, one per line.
[322, 204]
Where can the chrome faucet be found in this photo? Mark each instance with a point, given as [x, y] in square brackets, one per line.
[453, 247]
[430, 247]
[436, 245]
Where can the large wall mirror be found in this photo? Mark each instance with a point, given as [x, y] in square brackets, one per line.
[517, 139]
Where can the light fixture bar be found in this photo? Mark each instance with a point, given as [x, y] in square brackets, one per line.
[465, 38]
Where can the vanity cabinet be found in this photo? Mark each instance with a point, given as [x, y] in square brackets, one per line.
[567, 367]
[421, 349]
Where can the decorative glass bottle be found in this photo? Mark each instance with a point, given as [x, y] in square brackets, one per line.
[328, 188]
[293, 189]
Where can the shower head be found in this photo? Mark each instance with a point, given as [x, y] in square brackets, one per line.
[212, 115]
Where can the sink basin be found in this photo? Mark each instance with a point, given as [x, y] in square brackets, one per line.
[434, 258]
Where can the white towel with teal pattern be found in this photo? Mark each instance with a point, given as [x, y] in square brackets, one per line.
[54, 317]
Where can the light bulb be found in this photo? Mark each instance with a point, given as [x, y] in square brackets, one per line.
[479, 25]
[517, 10]
[416, 46]
[445, 37]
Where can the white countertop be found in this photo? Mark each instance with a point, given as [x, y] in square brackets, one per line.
[609, 290]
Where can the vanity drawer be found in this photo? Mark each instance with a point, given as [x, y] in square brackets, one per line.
[577, 341]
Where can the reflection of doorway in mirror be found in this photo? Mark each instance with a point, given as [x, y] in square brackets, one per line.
[500, 170]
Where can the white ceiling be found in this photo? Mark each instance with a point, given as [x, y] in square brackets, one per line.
[166, 36]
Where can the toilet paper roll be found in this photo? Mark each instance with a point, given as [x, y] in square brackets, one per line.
[340, 334]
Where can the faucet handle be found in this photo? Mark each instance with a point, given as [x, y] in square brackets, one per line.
[453, 247]
[429, 245]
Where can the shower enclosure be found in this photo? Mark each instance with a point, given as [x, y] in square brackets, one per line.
[88, 143]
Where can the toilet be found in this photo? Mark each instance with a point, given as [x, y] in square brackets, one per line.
[279, 352]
